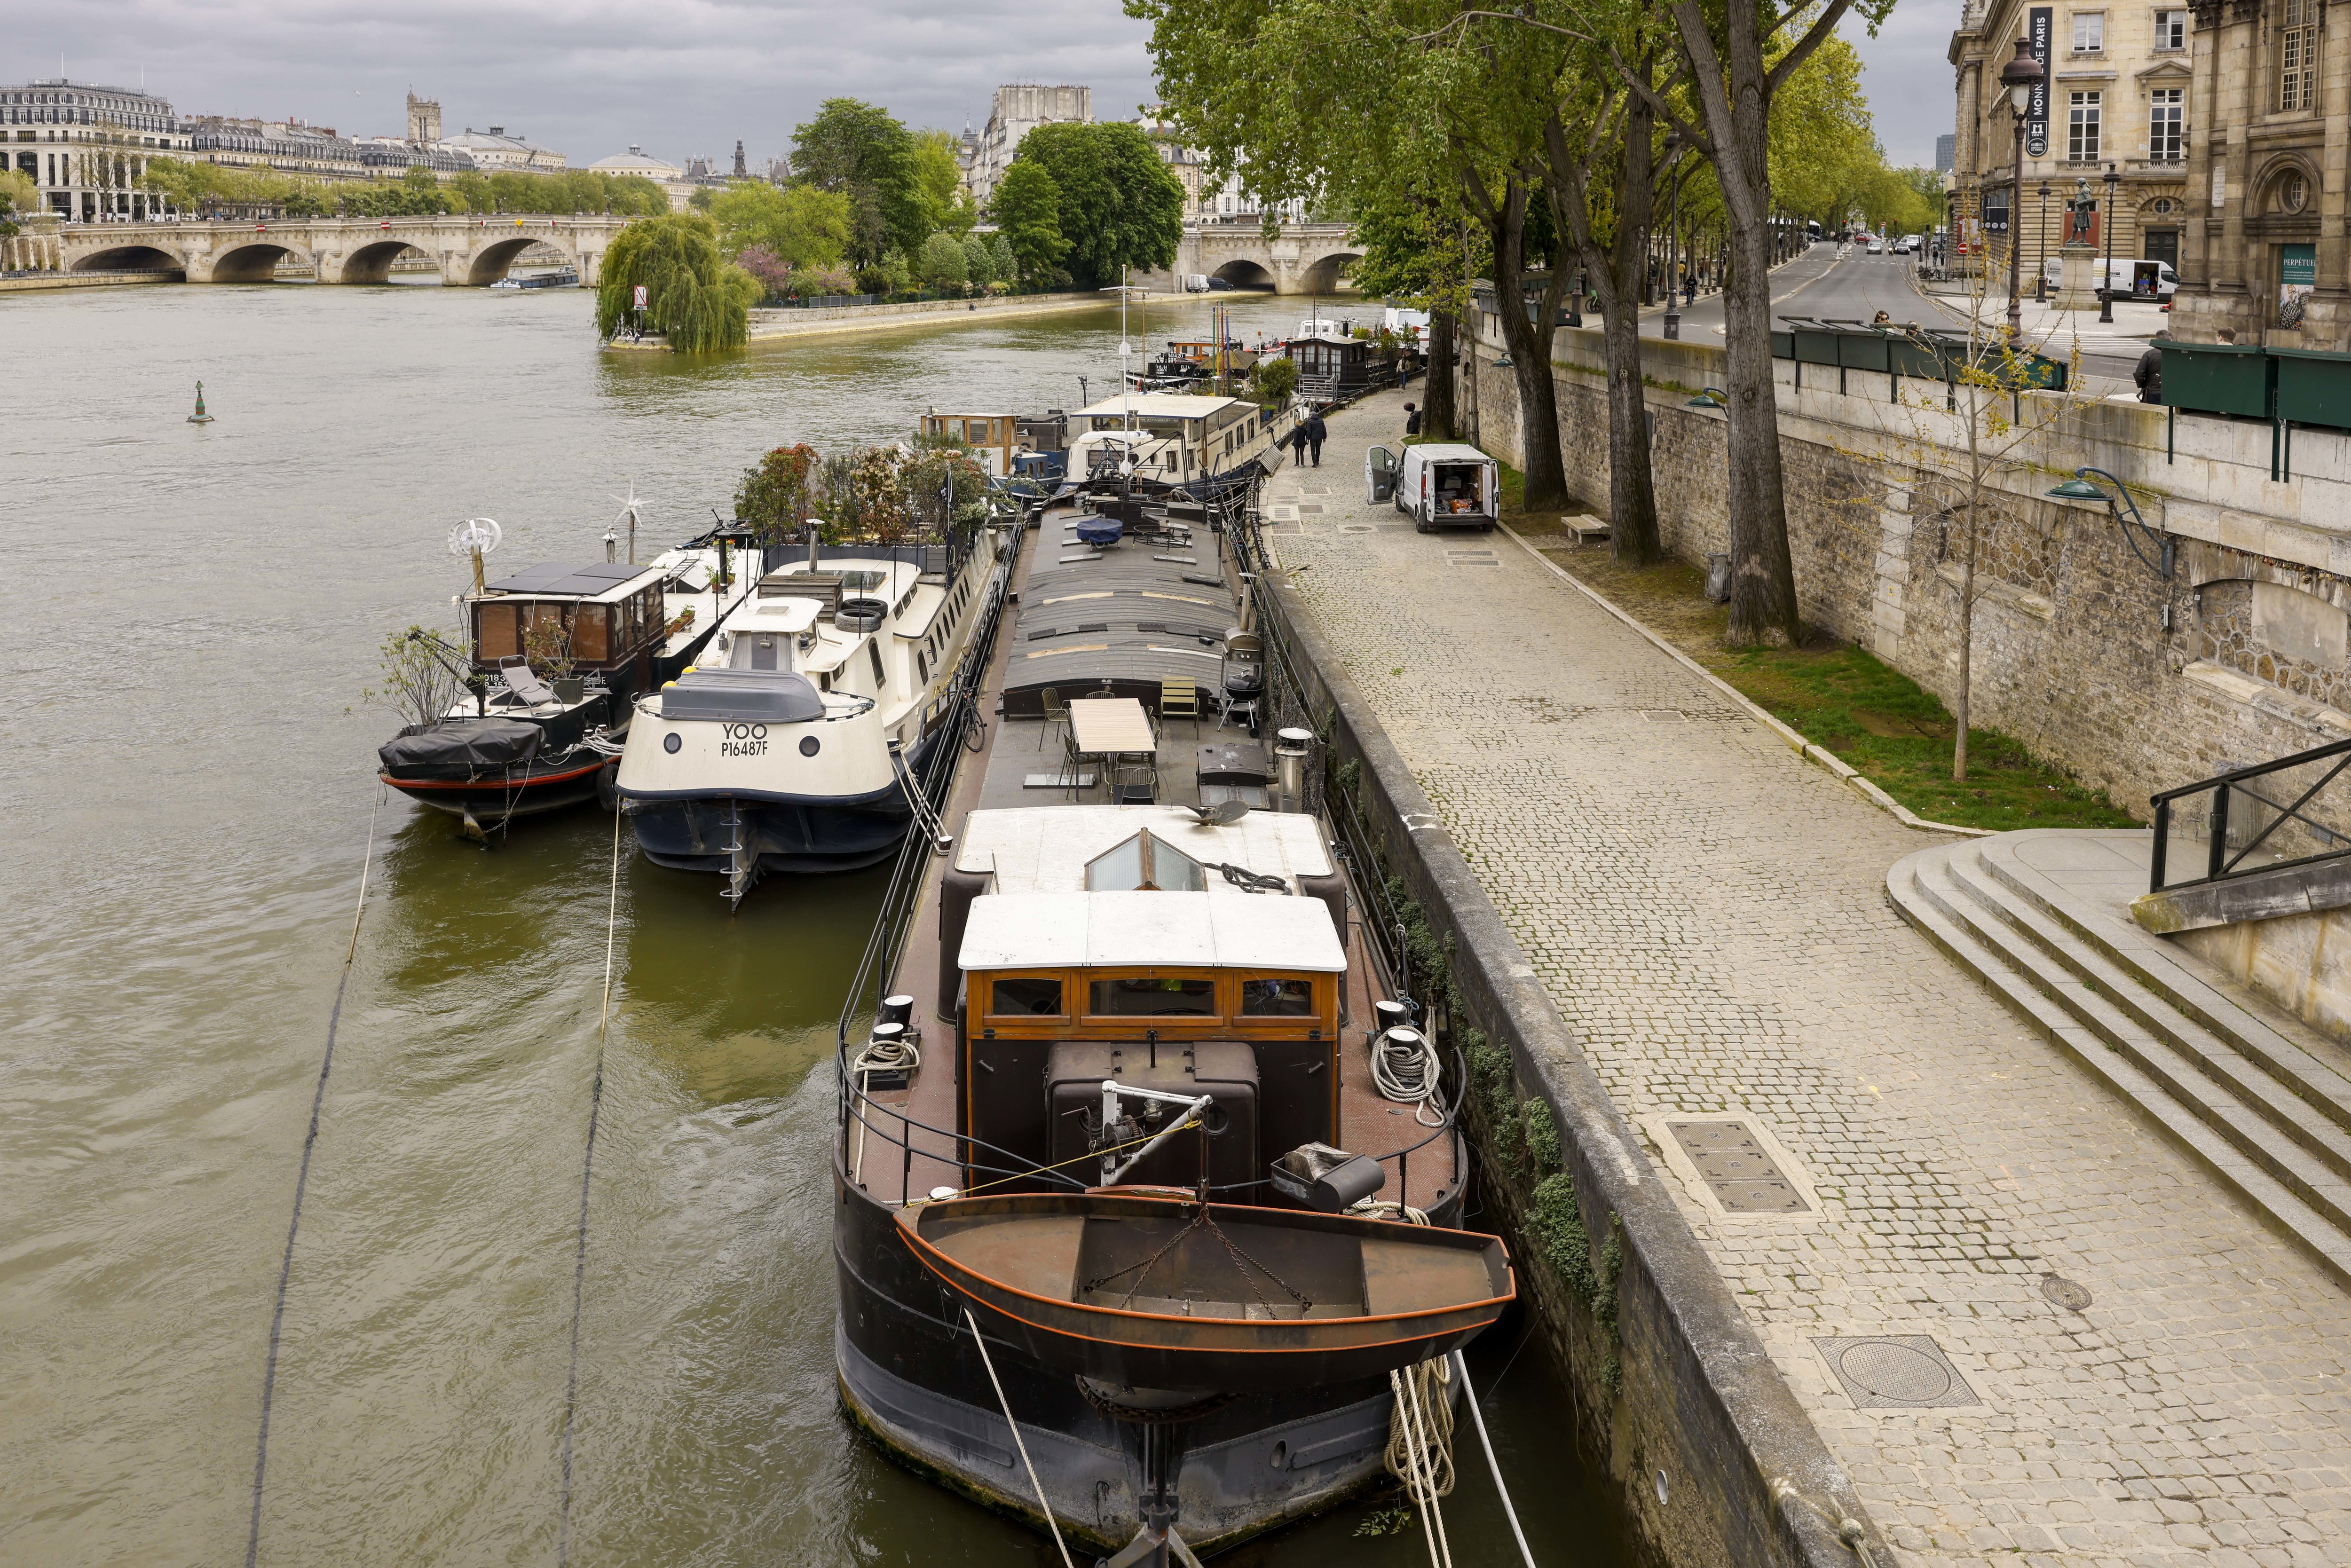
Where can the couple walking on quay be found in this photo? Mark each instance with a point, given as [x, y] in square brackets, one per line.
[1310, 432]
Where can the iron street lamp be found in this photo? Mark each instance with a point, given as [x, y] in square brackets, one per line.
[2106, 222]
[1673, 246]
[2041, 264]
[2019, 77]
[2081, 488]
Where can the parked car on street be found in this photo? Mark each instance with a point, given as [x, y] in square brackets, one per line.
[1439, 484]
[2129, 278]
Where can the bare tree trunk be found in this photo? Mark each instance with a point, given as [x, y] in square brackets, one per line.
[1632, 488]
[1762, 578]
[1529, 340]
[1436, 392]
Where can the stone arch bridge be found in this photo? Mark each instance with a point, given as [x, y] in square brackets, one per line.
[471, 252]
[1303, 259]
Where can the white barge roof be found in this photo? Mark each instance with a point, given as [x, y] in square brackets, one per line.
[1046, 849]
[1150, 930]
[1162, 405]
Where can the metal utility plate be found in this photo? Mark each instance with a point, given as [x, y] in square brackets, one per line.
[1737, 1169]
[1895, 1372]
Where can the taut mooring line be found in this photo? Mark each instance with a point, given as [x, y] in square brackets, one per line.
[587, 1170]
[301, 1187]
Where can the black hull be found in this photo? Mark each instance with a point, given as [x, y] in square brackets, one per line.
[496, 800]
[913, 1381]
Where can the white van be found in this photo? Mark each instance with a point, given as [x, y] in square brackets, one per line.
[1441, 484]
[2129, 279]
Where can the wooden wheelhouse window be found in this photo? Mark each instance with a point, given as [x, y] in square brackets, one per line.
[1153, 996]
[498, 632]
[1278, 997]
[1024, 995]
[591, 634]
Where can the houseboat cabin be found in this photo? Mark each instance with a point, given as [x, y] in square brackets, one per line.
[1171, 438]
[606, 617]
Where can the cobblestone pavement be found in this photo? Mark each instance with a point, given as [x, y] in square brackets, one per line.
[1709, 912]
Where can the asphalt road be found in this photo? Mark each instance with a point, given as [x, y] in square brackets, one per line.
[1856, 286]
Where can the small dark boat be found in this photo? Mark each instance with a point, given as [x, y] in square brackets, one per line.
[1149, 1290]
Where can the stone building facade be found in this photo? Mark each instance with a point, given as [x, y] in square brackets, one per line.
[88, 146]
[1017, 108]
[2265, 255]
[2118, 96]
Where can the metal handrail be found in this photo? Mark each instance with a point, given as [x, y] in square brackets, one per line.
[2220, 863]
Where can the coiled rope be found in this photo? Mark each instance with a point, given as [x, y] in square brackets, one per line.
[302, 1187]
[1405, 1068]
[1420, 1447]
[587, 1170]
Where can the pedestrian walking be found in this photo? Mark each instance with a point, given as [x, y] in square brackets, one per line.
[1317, 433]
[2149, 373]
[1411, 422]
[1298, 439]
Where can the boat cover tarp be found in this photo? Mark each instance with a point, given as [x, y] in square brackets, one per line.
[460, 748]
[752, 696]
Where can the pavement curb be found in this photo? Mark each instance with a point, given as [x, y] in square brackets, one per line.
[1809, 751]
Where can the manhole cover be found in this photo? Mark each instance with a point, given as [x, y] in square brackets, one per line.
[2073, 1298]
[1895, 1372]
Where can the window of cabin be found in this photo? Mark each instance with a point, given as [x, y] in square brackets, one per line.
[1142, 864]
[874, 650]
[1278, 997]
[922, 667]
[1152, 997]
[976, 432]
[498, 634]
[592, 632]
[1024, 995]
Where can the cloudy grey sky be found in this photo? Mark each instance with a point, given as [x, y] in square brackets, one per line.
[686, 77]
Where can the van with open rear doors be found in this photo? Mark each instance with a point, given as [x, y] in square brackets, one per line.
[1441, 484]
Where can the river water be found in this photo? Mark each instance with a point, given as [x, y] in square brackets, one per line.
[188, 765]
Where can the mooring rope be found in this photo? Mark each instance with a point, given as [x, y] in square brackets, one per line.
[986, 1361]
[1478, 1418]
[302, 1186]
[587, 1171]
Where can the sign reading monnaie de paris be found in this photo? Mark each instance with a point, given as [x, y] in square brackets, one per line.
[2040, 25]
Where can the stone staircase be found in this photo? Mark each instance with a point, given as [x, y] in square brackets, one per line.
[2259, 1098]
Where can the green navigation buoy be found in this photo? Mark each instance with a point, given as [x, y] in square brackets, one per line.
[199, 416]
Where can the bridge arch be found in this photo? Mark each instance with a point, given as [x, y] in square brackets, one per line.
[1321, 275]
[1243, 273]
[372, 262]
[495, 259]
[128, 258]
[253, 263]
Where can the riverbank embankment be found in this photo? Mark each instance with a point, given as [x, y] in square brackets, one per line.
[26, 283]
[843, 320]
[1798, 1199]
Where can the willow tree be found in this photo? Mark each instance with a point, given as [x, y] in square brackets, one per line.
[693, 297]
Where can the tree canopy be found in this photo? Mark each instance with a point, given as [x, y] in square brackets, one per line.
[1027, 211]
[1118, 206]
[860, 151]
[193, 186]
[694, 298]
[799, 226]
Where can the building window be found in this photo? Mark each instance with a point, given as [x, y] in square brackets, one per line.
[2081, 128]
[2297, 54]
[2089, 32]
[2165, 141]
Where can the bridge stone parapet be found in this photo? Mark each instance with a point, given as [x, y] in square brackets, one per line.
[1301, 259]
[471, 252]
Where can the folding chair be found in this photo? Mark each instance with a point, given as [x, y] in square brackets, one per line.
[1180, 699]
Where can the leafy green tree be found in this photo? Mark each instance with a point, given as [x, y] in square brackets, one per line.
[942, 265]
[694, 298]
[18, 197]
[978, 260]
[799, 226]
[1272, 380]
[1002, 265]
[1028, 210]
[946, 203]
[1119, 206]
[777, 498]
[860, 151]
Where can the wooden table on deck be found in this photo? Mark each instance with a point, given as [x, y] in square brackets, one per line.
[1108, 728]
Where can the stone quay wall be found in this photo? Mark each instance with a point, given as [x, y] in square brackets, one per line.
[2131, 681]
[1672, 1391]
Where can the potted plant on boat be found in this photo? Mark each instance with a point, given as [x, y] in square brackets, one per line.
[547, 648]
